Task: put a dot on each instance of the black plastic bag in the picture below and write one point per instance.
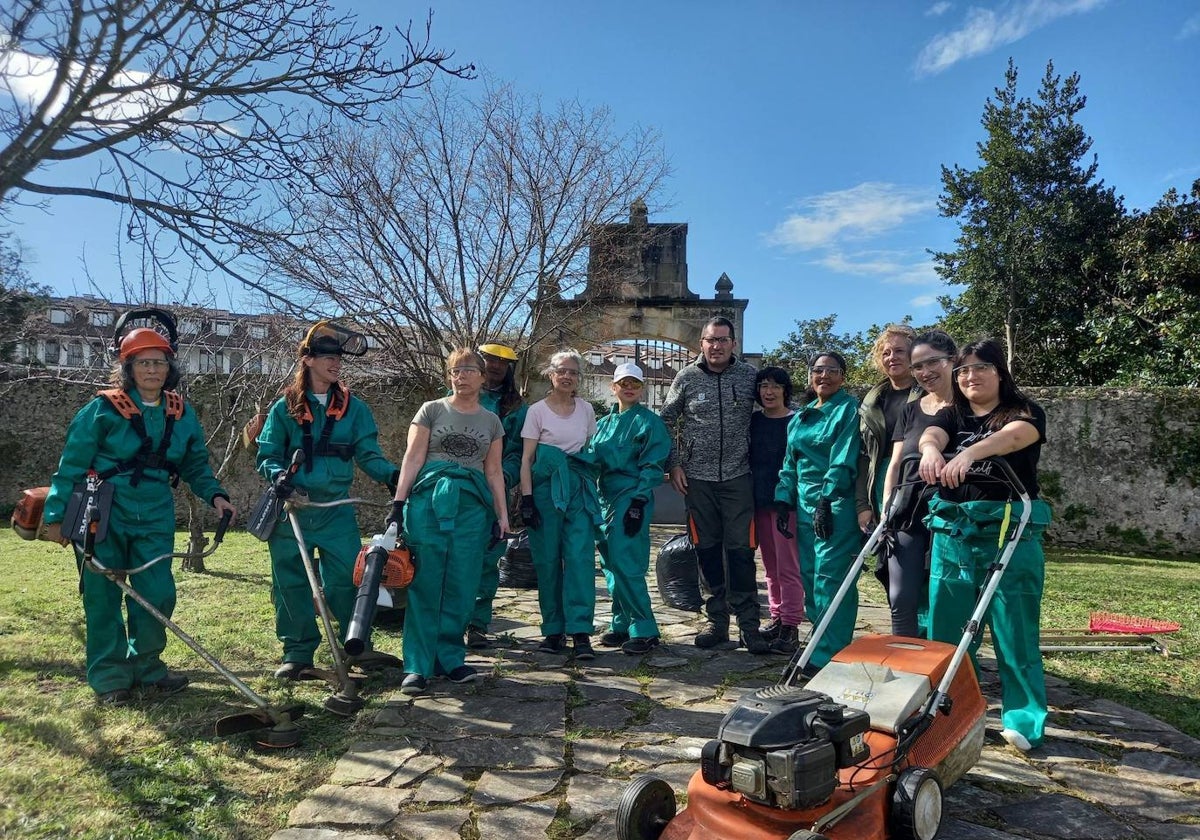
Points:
(678, 573)
(516, 566)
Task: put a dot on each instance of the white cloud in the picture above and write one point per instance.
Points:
(1191, 28)
(938, 9)
(855, 213)
(923, 301)
(1182, 173)
(986, 29)
(893, 267)
(29, 79)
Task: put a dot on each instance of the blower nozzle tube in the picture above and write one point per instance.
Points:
(359, 632)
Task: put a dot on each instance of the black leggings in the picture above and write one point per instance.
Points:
(906, 579)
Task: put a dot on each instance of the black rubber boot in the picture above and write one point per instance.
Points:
(788, 640)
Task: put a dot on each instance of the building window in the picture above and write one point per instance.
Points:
(258, 331)
(189, 326)
(236, 360)
(60, 316)
(75, 354)
(100, 318)
(223, 328)
(254, 365)
(50, 354)
(207, 362)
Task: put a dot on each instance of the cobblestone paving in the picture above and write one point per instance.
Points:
(542, 747)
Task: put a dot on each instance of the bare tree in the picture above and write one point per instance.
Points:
(453, 223)
(198, 112)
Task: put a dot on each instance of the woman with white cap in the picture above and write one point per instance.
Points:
(630, 448)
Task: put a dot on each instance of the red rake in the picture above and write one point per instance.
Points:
(1107, 622)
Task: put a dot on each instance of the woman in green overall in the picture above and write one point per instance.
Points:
(630, 449)
(125, 651)
(560, 506)
(501, 397)
(451, 500)
(990, 418)
(817, 481)
(335, 430)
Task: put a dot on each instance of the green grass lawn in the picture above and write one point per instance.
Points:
(154, 769)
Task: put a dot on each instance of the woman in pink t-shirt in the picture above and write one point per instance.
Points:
(561, 508)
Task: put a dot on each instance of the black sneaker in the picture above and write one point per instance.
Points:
(582, 642)
(787, 641)
(712, 635)
(554, 643)
(614, 638)
(292, 671)
(170, 684)
(754, 642)
(770, 630)
(476, 638)
(640, 645)
(413, 684)
(463, 674)
(117, 697)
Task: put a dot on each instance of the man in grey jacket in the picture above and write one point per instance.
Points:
(709, 406)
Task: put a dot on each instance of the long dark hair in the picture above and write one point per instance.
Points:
(1013, 403)
(777, 375)
(939, 341)
(510, 397)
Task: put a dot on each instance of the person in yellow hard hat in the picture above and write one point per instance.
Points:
(139, 438)
(500, 396)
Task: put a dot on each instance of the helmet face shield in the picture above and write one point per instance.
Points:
(329, 339)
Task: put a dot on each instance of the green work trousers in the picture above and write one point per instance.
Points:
(448, 533)
(333, 541)
(489, 582)
(965, 544)
(124, 647)
(823, 567)
(625, 561)
(564, 557)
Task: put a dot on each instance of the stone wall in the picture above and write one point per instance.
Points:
(1121, 467)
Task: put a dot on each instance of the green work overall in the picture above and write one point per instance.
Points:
(821, 463)
(448, 522)
(123, 652)
(630, 449)
(966, 541)
(489, 579)
(564, 545)
(331, 534)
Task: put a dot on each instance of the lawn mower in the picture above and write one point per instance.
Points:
(861, 751)
(275, 727)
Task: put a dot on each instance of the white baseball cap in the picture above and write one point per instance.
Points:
(628, 371)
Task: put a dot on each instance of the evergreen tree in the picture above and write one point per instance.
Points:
(1035, 226)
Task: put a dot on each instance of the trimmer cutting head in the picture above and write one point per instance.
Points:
(279, 731)
(343, 704)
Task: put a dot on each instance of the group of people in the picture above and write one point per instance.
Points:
(802, 480)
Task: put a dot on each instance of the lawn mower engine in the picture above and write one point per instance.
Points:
(783, 746)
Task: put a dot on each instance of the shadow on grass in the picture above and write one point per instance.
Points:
(1179, 711)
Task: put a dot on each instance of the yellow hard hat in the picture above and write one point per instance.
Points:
(499, 351)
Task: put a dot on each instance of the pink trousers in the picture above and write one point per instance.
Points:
(785, 590)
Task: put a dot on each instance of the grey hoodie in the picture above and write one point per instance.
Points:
(711, 413)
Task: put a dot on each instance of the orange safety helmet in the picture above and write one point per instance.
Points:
(143, 338)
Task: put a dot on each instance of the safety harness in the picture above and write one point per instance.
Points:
(147, 457)
(338, 405)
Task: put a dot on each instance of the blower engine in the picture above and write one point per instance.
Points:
(782, 747)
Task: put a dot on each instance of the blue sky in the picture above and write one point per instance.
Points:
(806, 138)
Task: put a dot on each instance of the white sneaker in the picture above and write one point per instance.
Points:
(1016, 739)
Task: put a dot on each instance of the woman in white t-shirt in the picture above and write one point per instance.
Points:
(561, 508)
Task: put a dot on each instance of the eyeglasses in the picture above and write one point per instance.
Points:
(978, 367)
(827, 371)
(565, 371)
(630, 383)
(151, 364)
(463, 371)
(716, 339)
(917, 367)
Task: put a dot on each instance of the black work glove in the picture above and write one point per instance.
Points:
(783, 512)
(634, 516)
(393, 481)
(396, 515)
(529, 513)
(497, 535)
(823, 520)
(282, 484)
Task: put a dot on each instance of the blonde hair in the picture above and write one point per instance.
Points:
(890, 331)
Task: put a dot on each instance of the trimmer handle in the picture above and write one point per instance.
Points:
(222, 527)
(91, 516)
